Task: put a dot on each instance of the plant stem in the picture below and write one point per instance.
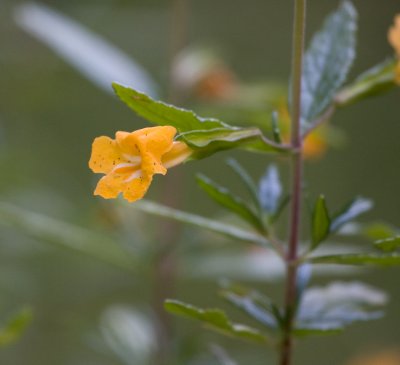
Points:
(297, 172)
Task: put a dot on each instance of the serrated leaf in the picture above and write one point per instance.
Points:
(320, 224)
(329, 309)
(204, 135)
(15, 326)
(216, 320)
(388, 244)
(328, 61)
(270, 190)
(225, 229)
(359, 259)
(350, 211)
(246, 179)
(374, 81)
(229, 201)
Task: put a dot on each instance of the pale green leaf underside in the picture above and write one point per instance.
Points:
(359, 259)
(328, 61)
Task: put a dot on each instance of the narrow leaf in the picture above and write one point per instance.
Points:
(275, 127)
(359, 259)
(246, 179)
(202, 222)
(374, 81)
(270, 190)
(15, 326)
(388, 244)
(351, 211)
(328, 61)
(95, 58)
(229, 201)
(216, 320)
(66, 235)
(320, 222)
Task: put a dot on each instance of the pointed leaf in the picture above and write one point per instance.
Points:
(15, 327)
(216, 320)
(246, 179)
(229, 201)
(328, 61)
(204, 135)
(270, 190)
(351, 211)
(320, 222)
(374, 81)
(359, 259)
(388, 244)
(199, 221)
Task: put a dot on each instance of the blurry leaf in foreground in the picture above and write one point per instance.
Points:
(321, 222)
(216, 320)
(60, 233)
(328, 61)
(15, 326)
(338, 305)
(391, 259)
(388, 244)
(129, 334)
(95, 58)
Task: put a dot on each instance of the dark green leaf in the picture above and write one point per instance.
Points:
(204, 135)
(376, 80)
(328, 61)
(270, 190)
(15, 327)
(216, 320)
(351, 211)
(198, 221)
(388, 244)
(320, 222)
(229, 201)
(246, 178)
(359, 259)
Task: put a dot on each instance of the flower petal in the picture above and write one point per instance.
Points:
(105, 155)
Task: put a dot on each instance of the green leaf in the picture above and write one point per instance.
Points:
(359, 259)
(275, 127)
(204, 135)
(350, 211)
(216, 320)
(327, 310)
(251, 303)
(320, 222)
(374, 81)
(328, 61)
(75, 238)
(229, 201)
(198, 221)
(15, 327)
(270, 190)
(379, 230)
(246, 179)
(388, 244)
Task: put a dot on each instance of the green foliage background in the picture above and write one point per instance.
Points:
(49, 116)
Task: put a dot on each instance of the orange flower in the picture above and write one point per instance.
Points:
(394, 40)
(131, 159)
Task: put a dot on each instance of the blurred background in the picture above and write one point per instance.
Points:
(89, 306)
